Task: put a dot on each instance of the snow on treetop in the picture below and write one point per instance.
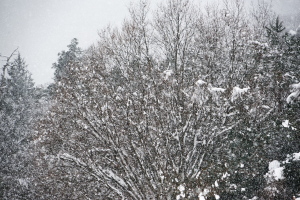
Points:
(237, 92)
(292, 32)
(274, 165)
(181, 188)
(200, 82)
(275, 171)
(296, 86)
(203, 194)
(296, 156)
(295, 94)
(215, 89)
(285, 123)
(167, 74)
(257, 43)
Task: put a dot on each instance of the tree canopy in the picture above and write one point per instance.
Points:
(181, 104)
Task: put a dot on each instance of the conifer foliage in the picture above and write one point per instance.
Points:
(16, 111)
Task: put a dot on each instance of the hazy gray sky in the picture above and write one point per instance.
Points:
(43, 28)
(287, 6)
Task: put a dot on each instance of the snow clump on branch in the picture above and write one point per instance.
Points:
(238, 92)
(295, 94)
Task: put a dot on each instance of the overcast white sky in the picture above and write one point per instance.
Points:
(43, 28)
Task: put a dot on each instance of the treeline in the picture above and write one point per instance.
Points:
(180, 104)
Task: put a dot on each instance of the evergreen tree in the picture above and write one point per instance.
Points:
(281, 66)
(62, 66)
(15, 117)
(65, 59)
